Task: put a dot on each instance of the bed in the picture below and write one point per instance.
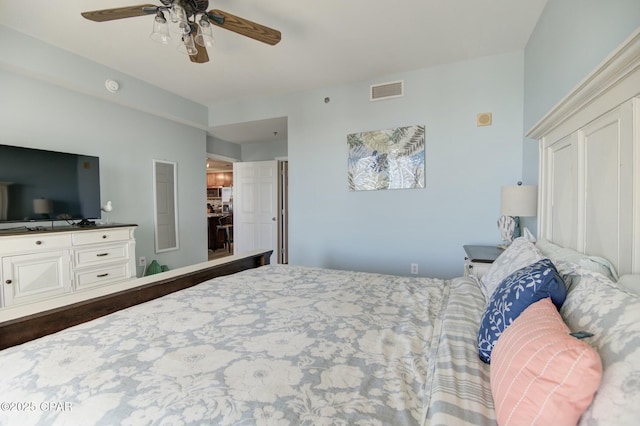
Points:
(277, 344)
(290, 345)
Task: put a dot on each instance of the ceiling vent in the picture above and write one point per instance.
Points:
(393, 89)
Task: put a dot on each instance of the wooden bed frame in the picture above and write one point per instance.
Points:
(20, 330)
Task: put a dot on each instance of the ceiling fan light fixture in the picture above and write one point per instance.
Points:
(177, 13)
(160, 17)
(160, 31)
(191, 20)
(204, 37)
(204, 21)
(187, 47)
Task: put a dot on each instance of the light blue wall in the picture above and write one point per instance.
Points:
(262, 151)
(257, 151)
(223, 148)
(570, 40)
(69, 110)
(25, 55)
(385, 231)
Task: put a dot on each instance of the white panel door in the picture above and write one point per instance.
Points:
(255, 207)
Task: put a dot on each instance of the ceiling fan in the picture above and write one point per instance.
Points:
(193, 24)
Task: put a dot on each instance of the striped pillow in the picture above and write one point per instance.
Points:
(540, 375)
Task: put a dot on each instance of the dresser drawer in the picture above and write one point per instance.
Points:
(100, 236)
(107, 253)
(29, 243)
(93, 277)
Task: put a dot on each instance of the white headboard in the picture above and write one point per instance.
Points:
(589, 175)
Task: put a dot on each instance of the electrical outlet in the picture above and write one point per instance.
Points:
(142, 261)
(414, 268)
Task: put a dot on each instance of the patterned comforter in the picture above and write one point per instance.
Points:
(277, 345)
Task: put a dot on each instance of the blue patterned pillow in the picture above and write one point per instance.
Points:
(514, 294)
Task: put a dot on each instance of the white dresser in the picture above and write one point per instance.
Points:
(41, 265)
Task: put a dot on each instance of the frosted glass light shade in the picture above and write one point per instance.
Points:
(205, 35)
(160, 32)
(187, 46)
(179, 16)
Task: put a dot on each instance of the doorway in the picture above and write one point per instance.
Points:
(256, 213)
(219, 174)
(256, 141)
(261, 207)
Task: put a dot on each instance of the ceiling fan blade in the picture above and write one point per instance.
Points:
(244, 27)
(120, 12)
(202, 56)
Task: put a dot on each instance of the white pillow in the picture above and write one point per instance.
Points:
(519, 254)
(630, 283)
(592, 263)
(612, 315)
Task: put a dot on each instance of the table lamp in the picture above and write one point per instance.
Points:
(515, 202)
(42, 207)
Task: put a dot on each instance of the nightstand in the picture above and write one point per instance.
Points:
(478, 259)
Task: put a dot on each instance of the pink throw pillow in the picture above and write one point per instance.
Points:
(541, 375)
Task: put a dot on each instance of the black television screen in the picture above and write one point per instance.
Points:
(38, 185)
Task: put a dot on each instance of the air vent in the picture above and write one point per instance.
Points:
(394, 89)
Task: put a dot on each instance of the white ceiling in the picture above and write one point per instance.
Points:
(324, 43)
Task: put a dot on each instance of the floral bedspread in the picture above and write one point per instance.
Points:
(277, 345)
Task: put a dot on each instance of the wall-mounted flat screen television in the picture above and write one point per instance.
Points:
(40, 185)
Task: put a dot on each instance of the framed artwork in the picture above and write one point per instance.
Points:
(386, 159)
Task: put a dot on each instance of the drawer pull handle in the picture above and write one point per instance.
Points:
(38, 242)
(104, 236)
(102, 254)
(8, 281)
(102, 275)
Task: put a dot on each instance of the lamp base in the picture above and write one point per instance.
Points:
(509, 227)
(517, 232)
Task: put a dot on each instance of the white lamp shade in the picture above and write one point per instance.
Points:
(41, 206)
(520, 200)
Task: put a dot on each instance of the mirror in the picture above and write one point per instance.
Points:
(165, 206)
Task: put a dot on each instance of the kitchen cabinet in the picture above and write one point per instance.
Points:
(219, 179)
